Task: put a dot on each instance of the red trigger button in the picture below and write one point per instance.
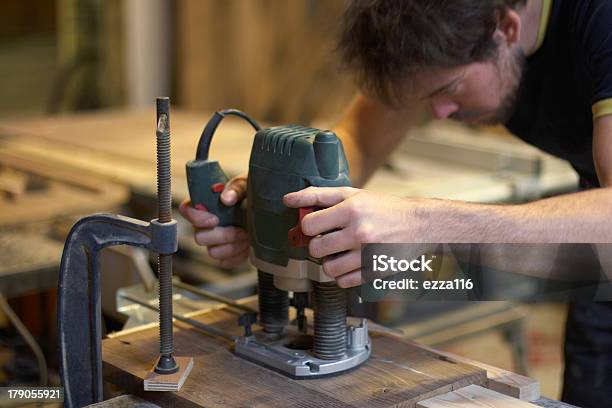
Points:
(217, 187)
(304, 211)
(295, 235)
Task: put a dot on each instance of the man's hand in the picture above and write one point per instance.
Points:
(229, 245)
(352, 217)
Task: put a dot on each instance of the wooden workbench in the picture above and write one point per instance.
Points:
(131, 401)
(119, 145)
(399, 372)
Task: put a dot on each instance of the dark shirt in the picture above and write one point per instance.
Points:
(568, 83)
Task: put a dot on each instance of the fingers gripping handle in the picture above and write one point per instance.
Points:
(205, 178)
(206, 181)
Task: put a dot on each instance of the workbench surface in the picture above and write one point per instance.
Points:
(133, 401)
(440, 160)
(397, 372)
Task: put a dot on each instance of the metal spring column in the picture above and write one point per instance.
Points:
(329, 321)
(273, 304)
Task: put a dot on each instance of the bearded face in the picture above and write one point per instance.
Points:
(479, 93)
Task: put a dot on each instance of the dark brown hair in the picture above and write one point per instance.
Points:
(384, 41)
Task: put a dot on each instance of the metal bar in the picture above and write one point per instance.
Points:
(198, 325)
(166, 363)
(213, 296)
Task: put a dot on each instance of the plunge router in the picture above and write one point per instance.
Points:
(285, 159)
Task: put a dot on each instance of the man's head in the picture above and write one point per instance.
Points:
(462, 57)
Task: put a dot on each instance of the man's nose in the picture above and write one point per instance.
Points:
(443, 109)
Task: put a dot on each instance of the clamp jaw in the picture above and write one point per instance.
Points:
(79, 312)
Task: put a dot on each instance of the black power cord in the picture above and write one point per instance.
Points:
(211, 127)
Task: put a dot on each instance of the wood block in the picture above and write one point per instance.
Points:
(512, 384)
(398, 372)
(474, 396)
(171, 382)
(498, 379)
(504, 381)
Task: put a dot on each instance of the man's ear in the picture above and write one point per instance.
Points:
(509, 27)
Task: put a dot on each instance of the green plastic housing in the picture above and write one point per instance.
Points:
(202, 175)
(285, 159)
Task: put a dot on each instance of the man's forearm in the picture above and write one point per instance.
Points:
(369, 132)
(583, 217)
(573, 218)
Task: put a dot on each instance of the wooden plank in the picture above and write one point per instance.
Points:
(398, 372)
(124, 401)
(473, 396)
(498, 379)
(511, 384)
(120, 146)
(57, 192)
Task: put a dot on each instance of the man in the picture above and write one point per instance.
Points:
(541, 67)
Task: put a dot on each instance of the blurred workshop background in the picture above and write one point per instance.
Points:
(78, 79)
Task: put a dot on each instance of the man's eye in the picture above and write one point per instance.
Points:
(453, 89)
